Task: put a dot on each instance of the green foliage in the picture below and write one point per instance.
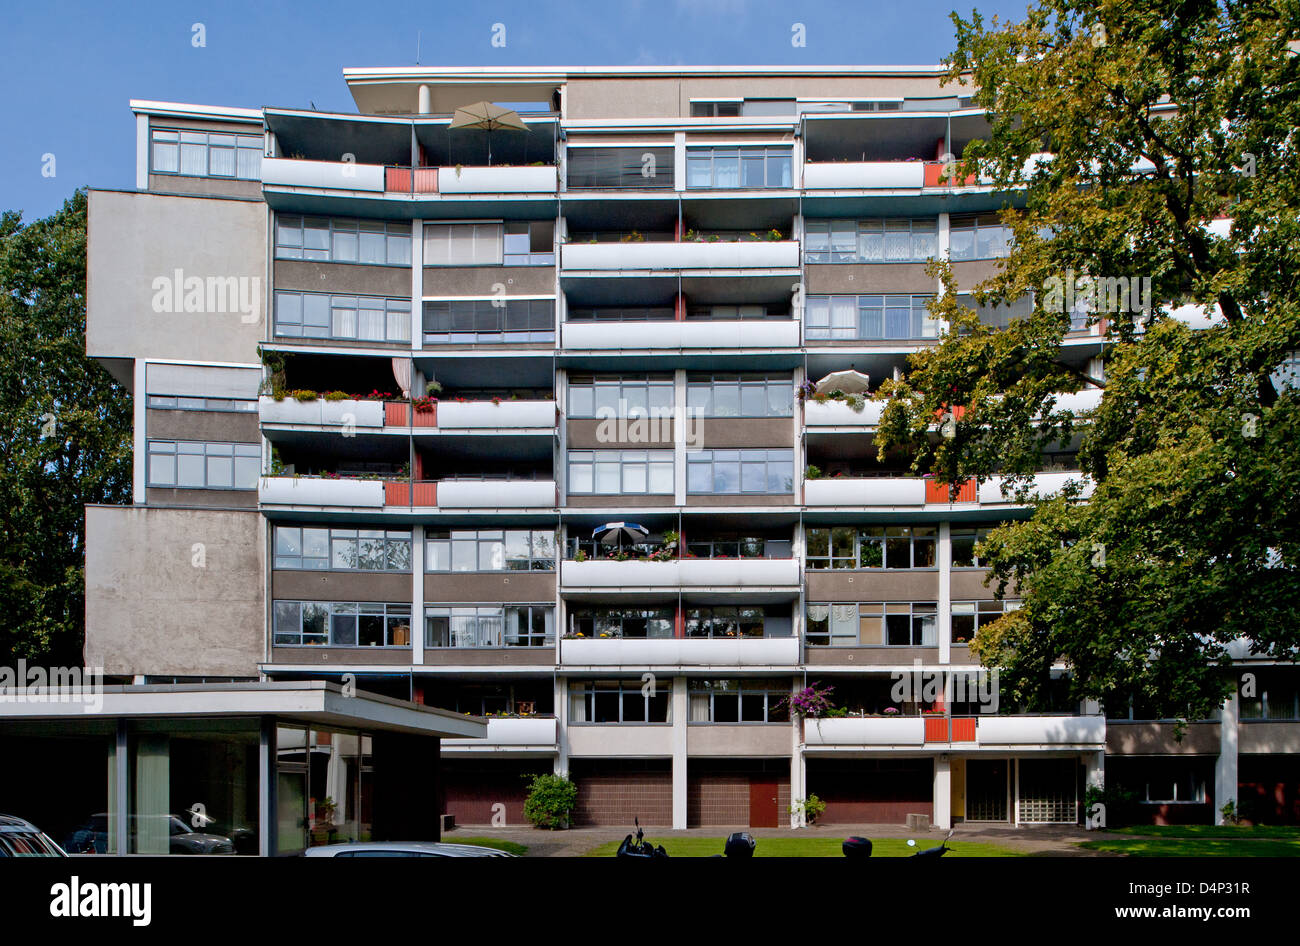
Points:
(550, 802)
(812, 472)
(811, 807)
(1191, 539)
(66, 439)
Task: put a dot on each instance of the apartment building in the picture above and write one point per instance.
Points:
(523, 422)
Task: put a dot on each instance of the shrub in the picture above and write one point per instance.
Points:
(336, 395)
(812, 808)
(303, 395)
(550, 802)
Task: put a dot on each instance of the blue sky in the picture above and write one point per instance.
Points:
(70, 69)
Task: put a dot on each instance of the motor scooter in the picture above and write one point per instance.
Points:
(640, 847)
(860, 848)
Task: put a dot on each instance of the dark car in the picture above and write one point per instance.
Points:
(92, 837)
(19, 838)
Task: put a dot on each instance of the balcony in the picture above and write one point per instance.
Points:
(701, 334)
(864, 175)
(1044, 484)
(680, 652)
(865, 731)
(839, 414)
(681, 573)
(322, 175)
(496, 494)
(470, 180)
(524, 734)
(745, 254)
(321, 413)
(865, 491)
(1087, 731)
(319, 491)
(487, 415)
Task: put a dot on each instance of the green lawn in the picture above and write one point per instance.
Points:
(1175, 846)
(1211, 831)
(809, 847)
(508, 846)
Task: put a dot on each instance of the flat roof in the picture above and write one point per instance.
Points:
(311, 701)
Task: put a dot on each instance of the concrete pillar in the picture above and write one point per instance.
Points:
(417, 595)
(417, 288)
(944, 622)
(680, 709)
(1094, 777)
(798, 773)
(942, 792)
(425, 103)
(1225, 767)
(561, 723)
(679, 161)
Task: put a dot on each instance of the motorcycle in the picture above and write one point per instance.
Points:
(640, 847)
(859, 848)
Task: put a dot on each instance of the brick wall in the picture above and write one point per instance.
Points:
(472, 787)
(613, 794)
(721, 800)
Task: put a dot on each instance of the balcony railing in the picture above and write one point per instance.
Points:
(681, 573)
(471, 494)
(324, 175)
(987, 730)
(472, 415)
(746, 254)
(538, 179)
(839, 414)
(865, 731)
(1041, 730)
(531, 732)
(321, 413)
(319, 491)
(660, 335)
(694, 652)
(882, 175)
(916, 491)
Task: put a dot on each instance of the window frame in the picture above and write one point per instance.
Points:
(627, 459)
(392, 231)
(240, 145)
(390, 614)
(489, 611)
(485, 538)
(395, 311)
(773, 460)
(250, 451)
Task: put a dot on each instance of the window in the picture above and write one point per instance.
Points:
(888, 623)
(359, 318)
(177, 403)
(739, 471)
(738, 547)
(737, 167)
(469, 321)
(999, 314)
(734, 621)
(618, 701)
(969, 616)
(622, 314)
(963, 547)
(739, 701)
(716, 109)
(493, 625)
(530, 244)
(606, 396)
(489, 550)
(871, 241)
(979, 237)
(740, 395)
(1276, 697)
(322, 549)
(621, 622)
(872, 547)
(630, 168)
(609, 472)
(199, 465)
(874, 317)
(463, 244)
(206, 154)
(343, 241)
(732, 313)
(341, 624)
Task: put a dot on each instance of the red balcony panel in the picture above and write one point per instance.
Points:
(963, 729)
(397, 180)
(425, 180)
(936, 729)
(397, 494)
(934, 171)
(395, 413)
(936, 492)
(426, 493)
(427, 418)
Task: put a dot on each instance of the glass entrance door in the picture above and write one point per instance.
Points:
(986, 789)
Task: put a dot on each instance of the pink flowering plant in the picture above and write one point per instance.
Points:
(813, 701)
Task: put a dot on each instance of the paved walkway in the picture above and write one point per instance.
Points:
(1042, 840)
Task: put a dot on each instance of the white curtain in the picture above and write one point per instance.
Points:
(402, 375)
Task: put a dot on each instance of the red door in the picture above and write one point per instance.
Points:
(762, 803)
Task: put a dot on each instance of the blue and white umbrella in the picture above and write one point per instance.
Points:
(613, 533)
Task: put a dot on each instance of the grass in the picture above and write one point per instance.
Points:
(1241, 832)
(810, 847)
(1197, 847)
(509, 847)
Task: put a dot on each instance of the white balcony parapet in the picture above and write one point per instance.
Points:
(318, 491)
(686, 652)
(496, 494)
(734, 333)
(511, 733)
(1040, 730)
(866, 731)
(498, 180)
(1088, 399)
(839, 414)
(865, 491)
(859, 175)
(745, 254)
(683, 573)
(481, 415)
(329, 175)
(320, 412)
(1045, 485)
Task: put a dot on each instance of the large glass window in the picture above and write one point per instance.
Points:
(609, 472)
(614, 396)
(202, 465)
(623, 168)
(730, 621)
(963, 547)
(359, 318)
(463, 244)
(739, 701)
(489, 550)
(172, 402)
(474, 321)
(491, 625)
(872, 547)
(969, 616)
(743, 395)
(876, 240)
(316, 548)
(739, 471)
(529, 244)
(621, 622)
(206, 154)
(871, 317)
(618, 701)
(981, 236)
(752, 167)
(872, 624)
(341, 624)
(343, 241)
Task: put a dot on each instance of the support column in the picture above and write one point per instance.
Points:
(1225, 767)
(680, 708)
(798, 772)
(561, 725)
(417, 595)
(942, 792)
(944, 622)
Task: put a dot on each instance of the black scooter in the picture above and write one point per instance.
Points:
(859, 848)
(640, 847)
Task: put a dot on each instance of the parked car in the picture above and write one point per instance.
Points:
(19, 838)
(403, 849)
(92, 837)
